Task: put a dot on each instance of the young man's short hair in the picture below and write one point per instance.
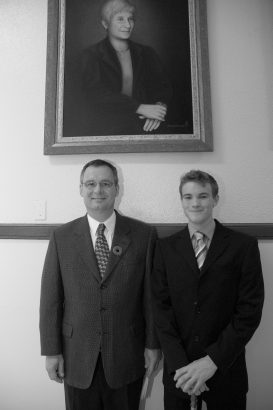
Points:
(201, 178)
(112, 7)
(100, 163)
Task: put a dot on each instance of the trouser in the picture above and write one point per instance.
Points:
(100, 396)
(228, 402)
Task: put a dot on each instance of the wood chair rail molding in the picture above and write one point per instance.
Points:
(43, 231)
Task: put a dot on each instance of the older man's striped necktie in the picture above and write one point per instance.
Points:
(200, 248)
(101, 250)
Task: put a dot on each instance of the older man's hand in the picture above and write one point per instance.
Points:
(152, 359)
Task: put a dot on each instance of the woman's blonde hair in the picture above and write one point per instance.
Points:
(112, 7)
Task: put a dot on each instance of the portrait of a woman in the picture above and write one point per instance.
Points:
(125, 70)
(125, 84)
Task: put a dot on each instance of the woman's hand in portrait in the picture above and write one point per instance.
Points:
(151, 125)
(152, 111)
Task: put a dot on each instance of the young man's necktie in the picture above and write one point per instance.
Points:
(200, 248)
(101, 250)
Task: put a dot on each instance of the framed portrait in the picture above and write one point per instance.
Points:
(127, 76)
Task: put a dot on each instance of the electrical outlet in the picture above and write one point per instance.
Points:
(39, 210)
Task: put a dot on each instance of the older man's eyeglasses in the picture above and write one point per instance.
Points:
(90, 185)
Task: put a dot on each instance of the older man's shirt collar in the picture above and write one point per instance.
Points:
(110, 224)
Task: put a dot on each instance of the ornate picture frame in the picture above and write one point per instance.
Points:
(178, 36)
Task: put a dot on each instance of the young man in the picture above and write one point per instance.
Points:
(208, 298)
(95, 315)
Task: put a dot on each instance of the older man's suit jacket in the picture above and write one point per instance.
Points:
(212, 312)
(82, 315)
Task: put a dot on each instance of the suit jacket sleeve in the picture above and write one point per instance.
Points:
(158, 86)
(51, 303)
(151, 341)
(170, 340)
(247, 312)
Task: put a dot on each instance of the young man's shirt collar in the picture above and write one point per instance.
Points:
(208, 230)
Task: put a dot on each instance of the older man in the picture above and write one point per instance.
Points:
(95, 317)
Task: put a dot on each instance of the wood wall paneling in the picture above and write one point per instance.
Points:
(43, 231)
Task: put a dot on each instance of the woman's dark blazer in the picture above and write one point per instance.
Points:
(102, 83)
(212, 312)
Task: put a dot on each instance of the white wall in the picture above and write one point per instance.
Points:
(241, 61)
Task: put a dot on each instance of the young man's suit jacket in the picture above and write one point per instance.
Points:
(212, 312)
(82, 315)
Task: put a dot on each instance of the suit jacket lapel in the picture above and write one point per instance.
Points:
(109, 56)
(121, 241)
(218, 245)
(84, 246)
(137, 60)
(185, 249)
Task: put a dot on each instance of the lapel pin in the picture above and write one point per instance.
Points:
(117, 250)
